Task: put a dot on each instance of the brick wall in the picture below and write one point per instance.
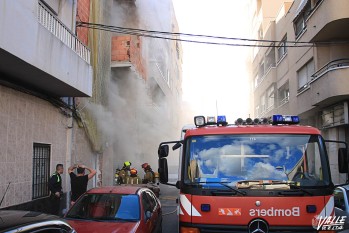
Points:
(129, 49)
(83, 14)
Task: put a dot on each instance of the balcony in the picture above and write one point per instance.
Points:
(328, 21)
(329, 84)
(38, 52)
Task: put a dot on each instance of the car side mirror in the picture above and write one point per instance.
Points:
(163, 151)
(148, 215)
(163, 170)
(343, 160)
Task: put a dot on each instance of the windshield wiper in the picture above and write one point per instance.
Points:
(233, 190)
(298, 188)
(291, 184)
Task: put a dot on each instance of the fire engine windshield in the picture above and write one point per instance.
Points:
(249, 160)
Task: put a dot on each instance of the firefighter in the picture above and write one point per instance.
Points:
(116, 178)
(124, 172)
(149, 174)
(133, 178)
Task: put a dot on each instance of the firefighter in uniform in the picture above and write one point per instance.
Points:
(133, 178)
(124, 172)
(116, 178)
(149, 174)
(56, 191)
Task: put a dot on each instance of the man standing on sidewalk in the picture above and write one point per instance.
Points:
(79, 181)
(55, 187)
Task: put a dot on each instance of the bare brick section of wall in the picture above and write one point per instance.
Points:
(129, 49)
(83, 14)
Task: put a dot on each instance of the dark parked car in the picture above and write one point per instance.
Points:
(117, 209)
(26, 221)
(341, 203)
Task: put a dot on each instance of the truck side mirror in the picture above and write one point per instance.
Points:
(343, 160)
(163, 170)
(163, 151)
(176, 146)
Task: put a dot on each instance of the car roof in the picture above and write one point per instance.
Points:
(13, 219)
(120, 189)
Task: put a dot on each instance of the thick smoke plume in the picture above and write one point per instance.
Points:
(131, 124)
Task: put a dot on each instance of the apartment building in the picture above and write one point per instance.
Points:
(304, 71)
(70, 94)
(43, 68)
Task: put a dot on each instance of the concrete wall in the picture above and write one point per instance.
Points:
(24, 120)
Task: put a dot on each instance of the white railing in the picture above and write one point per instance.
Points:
(57, 28)
(284, 100)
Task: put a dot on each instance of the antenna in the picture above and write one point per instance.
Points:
(217, 107)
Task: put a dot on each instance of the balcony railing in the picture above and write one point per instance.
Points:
(332, 65)
(284, 100)
(57, 28)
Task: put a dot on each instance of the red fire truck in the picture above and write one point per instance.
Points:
(255, 176)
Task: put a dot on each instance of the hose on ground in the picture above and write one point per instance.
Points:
(172, 212)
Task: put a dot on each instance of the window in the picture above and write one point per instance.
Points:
(263, 104)
(271, 97)
(284, 94)
(258, 111)
(53, 5)
(304, 75)
(106, 206)
(339, 200)
(282, 49)
(41, 170)
(261, 71)
(301, 17)
(256, 81)
(260, 33)
(270, 59)
(152, 201)
(254, 158)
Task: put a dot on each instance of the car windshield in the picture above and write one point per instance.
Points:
(118, 207)
(256, 161)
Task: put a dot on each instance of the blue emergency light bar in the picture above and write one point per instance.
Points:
(211, 120)
(282, 119)
(221, 119)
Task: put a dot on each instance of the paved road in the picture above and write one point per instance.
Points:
(168, 196)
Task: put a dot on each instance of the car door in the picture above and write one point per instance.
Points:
(341, 204)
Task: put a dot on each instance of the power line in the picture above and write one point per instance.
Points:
(176, 36)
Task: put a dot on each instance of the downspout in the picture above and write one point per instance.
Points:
(75, 10)
(69, 154)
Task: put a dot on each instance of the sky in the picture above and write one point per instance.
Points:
(215, 77)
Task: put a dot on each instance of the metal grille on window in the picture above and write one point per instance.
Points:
(41, 170)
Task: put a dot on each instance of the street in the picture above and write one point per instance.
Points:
(168, 196)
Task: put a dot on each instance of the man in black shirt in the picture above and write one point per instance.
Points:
(55, 187)
(79, 181)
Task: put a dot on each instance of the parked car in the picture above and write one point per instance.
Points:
(117, 209)
(341, 203)
(27, 221)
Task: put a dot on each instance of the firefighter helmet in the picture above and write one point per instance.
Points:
(145, 165)
(127, 163)
(133, 171)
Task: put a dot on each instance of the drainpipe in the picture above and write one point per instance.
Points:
(75, 9)
(69, 154)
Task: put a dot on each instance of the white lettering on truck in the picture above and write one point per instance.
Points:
(272, 212)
